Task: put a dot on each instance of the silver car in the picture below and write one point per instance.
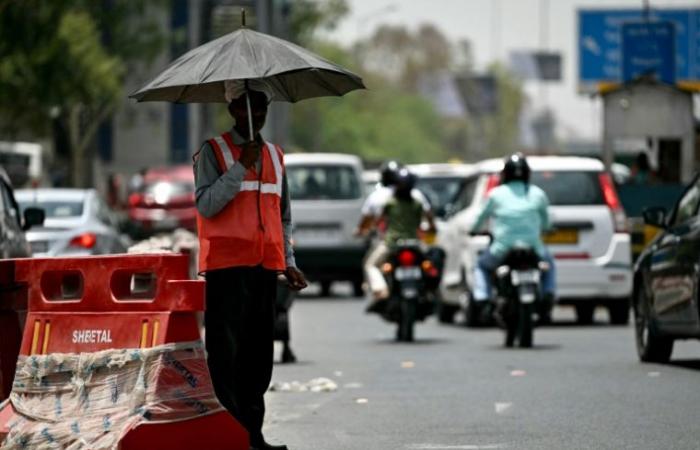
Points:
(77, 223)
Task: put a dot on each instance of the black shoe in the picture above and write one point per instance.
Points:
(288, 356)
(498, 311)
(265, 446)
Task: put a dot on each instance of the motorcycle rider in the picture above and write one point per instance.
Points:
(402, 215)
(371, 218)
(373, 207)
(519, 213)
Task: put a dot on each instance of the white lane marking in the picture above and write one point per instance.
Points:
(354, 385)
(361, 401)
(654, 374)
(502, 408)
(408, 365)
(455, 447)
(518, 373)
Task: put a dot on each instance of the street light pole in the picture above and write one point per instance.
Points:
(544, 37)
(647, 9)
(495, 29)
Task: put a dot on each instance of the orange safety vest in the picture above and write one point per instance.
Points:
(248, 231)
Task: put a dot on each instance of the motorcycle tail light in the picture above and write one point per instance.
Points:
(135, 199)
(86, 240)
(429, 269)
(407, 258)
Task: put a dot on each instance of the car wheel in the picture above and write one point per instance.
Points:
(357, 290)
(325, 288)
(473, 313)
(584, 313)
(619, 313)
(446, 313)
(650, 346)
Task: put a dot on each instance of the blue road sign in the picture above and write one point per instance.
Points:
(600, 44)
(648, 48)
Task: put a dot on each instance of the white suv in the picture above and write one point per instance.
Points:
(589, 238)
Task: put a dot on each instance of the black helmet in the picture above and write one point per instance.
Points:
(515, 168)
(388, 171)
(405, 180)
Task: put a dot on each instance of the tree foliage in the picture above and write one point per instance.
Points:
(502, 129)
(391, 119)
(307, 17)
(62, 67)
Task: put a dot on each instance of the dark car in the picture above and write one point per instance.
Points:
(13, 243)
(667, 279)
(163, 201)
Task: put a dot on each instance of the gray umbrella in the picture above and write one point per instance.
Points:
(292, 72)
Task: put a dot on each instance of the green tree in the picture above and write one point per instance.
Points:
(383, 122)
(502, 128)
(307, 17)
(402, 56)
(62, 65)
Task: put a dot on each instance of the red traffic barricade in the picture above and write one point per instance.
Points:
(111, 355)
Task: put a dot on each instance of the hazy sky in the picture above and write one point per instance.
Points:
(495, 28)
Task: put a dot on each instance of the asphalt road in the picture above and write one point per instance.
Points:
(457, 388)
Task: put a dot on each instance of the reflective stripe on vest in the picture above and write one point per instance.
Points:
(267, 188)
(236, 236)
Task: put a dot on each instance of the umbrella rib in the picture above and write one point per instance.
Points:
(252, 49)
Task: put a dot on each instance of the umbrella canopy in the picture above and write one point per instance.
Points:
(292, 72)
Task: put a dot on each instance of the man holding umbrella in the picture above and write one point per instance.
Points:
(244, 215)
(244, 224)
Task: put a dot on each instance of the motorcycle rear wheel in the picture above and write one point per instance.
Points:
(525, 325)
(406, 320)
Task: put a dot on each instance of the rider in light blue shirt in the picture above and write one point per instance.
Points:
(519, 215)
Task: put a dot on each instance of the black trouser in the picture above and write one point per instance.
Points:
(239, 321)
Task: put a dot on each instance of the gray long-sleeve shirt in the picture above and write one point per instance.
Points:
(214, 190)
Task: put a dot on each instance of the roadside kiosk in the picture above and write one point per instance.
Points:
(656, 119)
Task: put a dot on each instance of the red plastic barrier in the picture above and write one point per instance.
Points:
(95, 303)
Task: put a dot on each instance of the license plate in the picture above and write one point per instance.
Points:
(166, 223)
(561, 237)
(39, 246)
(408, 273)
(409, 293)
(527, 297)
(518, 277)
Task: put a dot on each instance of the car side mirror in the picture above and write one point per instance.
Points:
(655, 216)
(33, 217)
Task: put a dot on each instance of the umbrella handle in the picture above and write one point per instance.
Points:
(250, 116)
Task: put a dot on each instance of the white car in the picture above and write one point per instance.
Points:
(440, 183)
(327, 193)
(589, 239)
(77, 223)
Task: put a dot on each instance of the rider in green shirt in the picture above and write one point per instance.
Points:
(402, 217)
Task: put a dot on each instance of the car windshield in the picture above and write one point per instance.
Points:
(323, 182)
(56, 209)
(570, 187)
(440, 191)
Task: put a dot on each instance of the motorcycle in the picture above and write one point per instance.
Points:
(413, 276)
(519, 295)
